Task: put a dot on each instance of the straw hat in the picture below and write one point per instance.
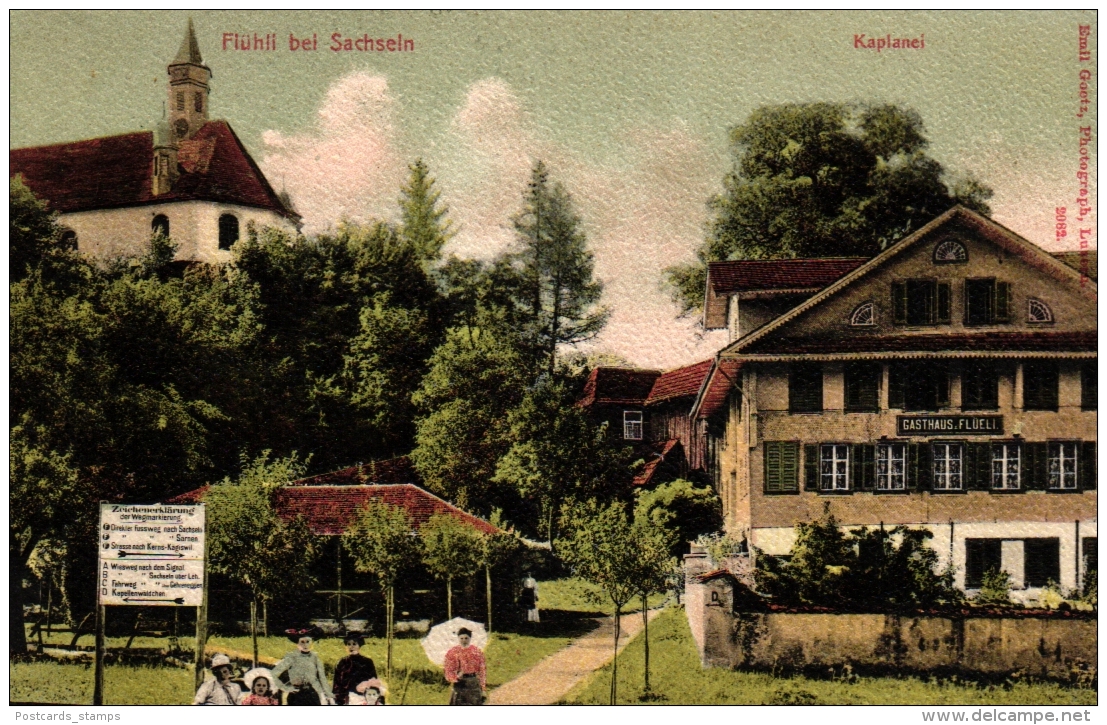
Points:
(219, 660)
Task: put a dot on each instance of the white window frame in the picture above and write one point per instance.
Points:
(1059, 478)
(943, 478)
(632, 428)
(1006, 467)
(887, 455)
(834, 466)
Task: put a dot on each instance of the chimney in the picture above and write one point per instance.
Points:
(166, 172)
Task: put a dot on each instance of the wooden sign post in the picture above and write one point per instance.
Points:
(150, 556)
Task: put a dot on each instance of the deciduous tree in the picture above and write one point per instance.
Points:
(450, 549)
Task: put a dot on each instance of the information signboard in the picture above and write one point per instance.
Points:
(151, 555)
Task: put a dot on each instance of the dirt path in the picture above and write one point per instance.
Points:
(549, 680)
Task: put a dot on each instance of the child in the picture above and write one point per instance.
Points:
(371, 691)
(257, 682)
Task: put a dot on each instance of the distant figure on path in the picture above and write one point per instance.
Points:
(465, 670)
(352, 670)
(528, 600)
(307, 681)
(219, 691)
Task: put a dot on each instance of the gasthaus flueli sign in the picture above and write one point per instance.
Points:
(151, 555)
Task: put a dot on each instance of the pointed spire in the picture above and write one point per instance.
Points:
(190, 49)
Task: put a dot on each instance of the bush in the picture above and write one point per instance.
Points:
(995, 588)
(683, 508)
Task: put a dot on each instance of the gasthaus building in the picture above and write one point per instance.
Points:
(948, 383)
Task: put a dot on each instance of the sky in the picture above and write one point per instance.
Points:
(629, 110)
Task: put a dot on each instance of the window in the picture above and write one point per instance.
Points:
(1041, 561)
(1061, 466)
(228, 230)
(1089, 386)
(981, 556)
(950, 251)
(920, 302)
(781, 467)
(805, 389)
(979, 385)
(199, 102)
(948, 469)
(891, 467)
(160, 225)
(69, 240)
(632, 425)
(918, 385)
(834, 467)
(863, 316)
(1005, 466)
(1038, 311)
(863, 386)
(1090, 549)
(1039, 386)
(987, 302)
(180, 101)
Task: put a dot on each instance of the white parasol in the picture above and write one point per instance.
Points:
(444, 636)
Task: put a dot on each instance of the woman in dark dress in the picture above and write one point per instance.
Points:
(351, 671)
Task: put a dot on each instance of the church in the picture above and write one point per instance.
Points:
(191, 180)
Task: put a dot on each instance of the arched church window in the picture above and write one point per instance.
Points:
(199, 103)
(1038, 311)
(69, 240)
(160, 225)
(228, 230)
(951, 251)
(863, 315)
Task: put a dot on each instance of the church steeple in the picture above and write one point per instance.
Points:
(188, 88)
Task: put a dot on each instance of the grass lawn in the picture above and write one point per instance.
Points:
(509, 653)
(578, 595)
(675, 673)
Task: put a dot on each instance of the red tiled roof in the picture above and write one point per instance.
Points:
(779, 274)
(117, 171)
(954, 342)
(685, 381)
(723, 379)
(393, 470)
(618, 386)
(329, 509)
(656, 456)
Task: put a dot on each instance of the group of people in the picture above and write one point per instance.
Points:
(355, 678)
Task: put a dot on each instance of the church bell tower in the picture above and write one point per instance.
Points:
(188, 89)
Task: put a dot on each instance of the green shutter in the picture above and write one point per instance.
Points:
(899, 303)
(789, 467)
(943, 303)
(811, 467)
(772, 467)
(1002, 302)
(911, 475)
(1087, 465)
(1035, 466)
(868, 466)
(982, 468)
(925, 467)
(897, 385)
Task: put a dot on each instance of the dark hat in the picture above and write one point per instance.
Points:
(356, 637)
(464, 630)
(294, 634)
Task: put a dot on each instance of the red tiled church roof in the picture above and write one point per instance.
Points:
(954, 342)
(679, 383)
(779, 274)
(618, 386)
(330, 509)
(117, 171)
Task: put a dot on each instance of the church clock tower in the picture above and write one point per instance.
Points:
(188, 89)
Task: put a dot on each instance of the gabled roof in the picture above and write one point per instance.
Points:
(330, 509)
(996, 233)
(769, 277)
(679, 383)
(618, 386)
(722, 380)
(660, 453)
(117, 171)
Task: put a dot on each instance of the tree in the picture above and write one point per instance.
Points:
(656, 567)
(823, 180)
(495, 548)
(248, 540)
(382, 541)
(600, 546)
(687, 510)
(425, 225)
(450, 549)
(557, 288)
